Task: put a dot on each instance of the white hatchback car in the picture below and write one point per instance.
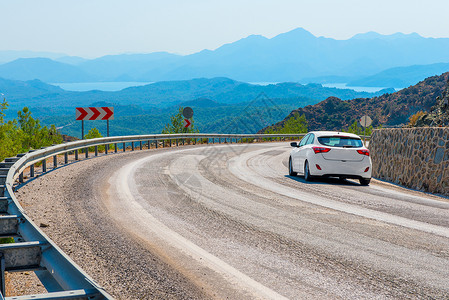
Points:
(330, 154)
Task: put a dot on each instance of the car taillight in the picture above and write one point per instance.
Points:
(363, 152)
(321, 149)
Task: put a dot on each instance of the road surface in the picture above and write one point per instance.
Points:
(227, 222)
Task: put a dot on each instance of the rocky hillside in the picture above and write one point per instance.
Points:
(388, 109)
(439, 114)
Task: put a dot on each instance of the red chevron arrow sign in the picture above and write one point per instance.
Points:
(187, 123)
(94, 113)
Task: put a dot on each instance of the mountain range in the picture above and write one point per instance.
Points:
(221, 104)
(296, 56)
(390, 109)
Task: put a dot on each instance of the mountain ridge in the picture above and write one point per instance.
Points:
(388, 109)
(289, 56)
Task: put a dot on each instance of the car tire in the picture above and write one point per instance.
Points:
(290, 168)
(307, 176)
(364, 181)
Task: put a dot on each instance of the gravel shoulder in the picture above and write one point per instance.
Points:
(69, 201)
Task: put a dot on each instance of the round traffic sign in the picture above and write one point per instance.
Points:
(365, 121)
(187, 112)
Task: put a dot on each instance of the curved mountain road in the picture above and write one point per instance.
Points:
(226, 221)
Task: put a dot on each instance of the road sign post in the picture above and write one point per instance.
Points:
(187, 112)
(94, 113)
(365, 121)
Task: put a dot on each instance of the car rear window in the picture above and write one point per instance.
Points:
(340, 141)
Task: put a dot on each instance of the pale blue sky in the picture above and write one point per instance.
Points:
(92, 28)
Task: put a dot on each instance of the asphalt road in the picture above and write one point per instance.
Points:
(227, 222)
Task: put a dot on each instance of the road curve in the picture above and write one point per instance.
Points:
(226, 221)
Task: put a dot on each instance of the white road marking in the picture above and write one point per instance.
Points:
(238, 166)
(145, 222)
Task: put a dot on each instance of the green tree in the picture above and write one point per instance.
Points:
(295, 124)
(33, 135)
(359, 130)
(93, 134)
(10, 141)
(176, 124)
(23, 134)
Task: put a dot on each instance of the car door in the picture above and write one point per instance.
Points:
(296, 153)
(302, 152)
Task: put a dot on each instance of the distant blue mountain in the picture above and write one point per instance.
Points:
(401, 77)
(44, 69)
(10, 55)
(296, 56)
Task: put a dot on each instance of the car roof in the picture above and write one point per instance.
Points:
(334, 133)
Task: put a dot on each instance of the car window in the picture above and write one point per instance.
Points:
(310, 139)
(340, 141)
(304, 140)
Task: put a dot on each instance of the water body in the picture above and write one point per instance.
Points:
(101, 86)
(368, 89)
(117, 86)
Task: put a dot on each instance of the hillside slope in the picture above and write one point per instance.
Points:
(388, 109)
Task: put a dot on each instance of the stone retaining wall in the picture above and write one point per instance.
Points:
(414, 157)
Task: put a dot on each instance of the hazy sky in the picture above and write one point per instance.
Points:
(92, 28)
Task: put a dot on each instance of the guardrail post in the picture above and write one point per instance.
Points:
(115, 147)
(32, 170)
(106, 148)
(55, 162)
(140, 145)
(149, 145)
(170, 142)
(132, 146)
(96, 150)
(183, 141)
(86, 151)
(76, 154)
(177, 143)
(21, 177)
(44, 166)
(124, 147)
(156, 142)
(66, 157)
(2, 275)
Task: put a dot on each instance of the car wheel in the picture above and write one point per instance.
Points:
(364, 181)
(290, 168)
(307, 175)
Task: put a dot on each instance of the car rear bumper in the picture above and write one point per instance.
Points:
(348, 169)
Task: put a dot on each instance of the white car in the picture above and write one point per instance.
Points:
(330, 154)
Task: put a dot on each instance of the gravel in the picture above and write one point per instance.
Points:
(68, 200)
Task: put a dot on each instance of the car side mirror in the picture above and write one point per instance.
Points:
(294, 144)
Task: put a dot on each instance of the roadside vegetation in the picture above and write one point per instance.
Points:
(176, 124)
(24, 133)
(359, 130)
(93, 134)
(295, 124)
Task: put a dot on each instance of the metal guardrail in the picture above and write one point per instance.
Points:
(33, 250)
